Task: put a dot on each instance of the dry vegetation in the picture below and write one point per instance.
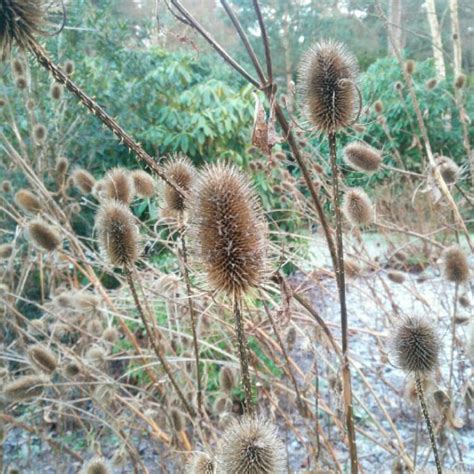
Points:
(215, 358)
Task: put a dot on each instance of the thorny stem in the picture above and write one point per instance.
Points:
(424, 409)
(156, 347)
(243, 356)
(340, 276)
(192, 315)
(99, 112)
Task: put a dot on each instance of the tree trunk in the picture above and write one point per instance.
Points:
(456, 36)
(436, 39)
(395, 25)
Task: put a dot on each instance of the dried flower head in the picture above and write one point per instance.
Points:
(180, 170)
(83, 180)
(448, 168)
(416, 344)
(111, 335)
(43, 358)
(201, 463)
(40, 133)
(56, 91)
(357, 207)
(18, 67)
(326, 81)
(362, 157)
(27, 201)
(96, 355)
(229, 230)
(6, 186)
(69, 67)
(97, 465)
(460, 81)
(144, 184)
(44, 235)
(396, 276)
(62, 165)
(72, 369)
(119, 185)
(398, 86)
(21, 83)
(118, 233)
(250, 445)
(410, 66)
(430, 84)
(6, 251)
(455, 265)
(24, 388)
(226, 379)
(378, 106)
(86, 302)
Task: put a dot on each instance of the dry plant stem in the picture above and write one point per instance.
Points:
(453, 341)
(340, 276)
(158, 351)
(98, 111)
(243, 356)
(192, 315)
(429, 426)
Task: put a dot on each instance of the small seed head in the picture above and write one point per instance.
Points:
(43, 358)
(62, 165)
(410, 66)
(455, 265)
(201, 463)
(26, 387)
(69, 67)
(6, 186)
(460, 81)
(396, 276)
(56, 91)
(378, 106)
(144, 184)
(40, 133)
(27, 201)
(431, 84)
(6, 251)
(43, 235)
(226, 379)
(119, 185)
(357, 207)
(21, 83)
(83, 180)
(362, 157)
(181, 171)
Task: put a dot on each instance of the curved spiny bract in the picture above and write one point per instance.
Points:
(229, 230)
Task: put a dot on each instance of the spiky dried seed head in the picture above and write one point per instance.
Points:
(83, 180)
(357, 207)
(25, 199)
(119, 185)
(96, 355)
(43, 358)
(416, 344)
(17, 67)
(326, 83)
(69, 67)
(201, 463)
(30, 104)
(410, 66)
(97, 465)
(6, 186)
(251, 445)
(181, 171)
(430, 84)
(178, 422)
(460, 81)
(448, 168)
(21, 83)
(43, 235)
(111, 335)
(396, 276)
(464, 301)
(40, 133)
(72, 369)
(94, 327)
(362, 157)
(20, 21)
(25, 388)
(455, 265)
(226, 379)
(56, 91)
(144, 184)
(378, 106)
(62, 165)
(118, 234)
(86, 302)
(229, 230)
(6, 251)
(398, 86)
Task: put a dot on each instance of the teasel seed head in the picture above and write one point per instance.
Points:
(56, 91)
(410, 66)
(430, 84)
(86, 302)
(177, 420)
(396, 276)
(18, 67)
(30, 104)
(118, 234)
(6, 186)
(69, 67)
(181, 171)
(21, 83)
(398, 86)
(378, 106)
(111, 335)
(27, 201)
(96, 355)
(455, 265)
(201, 463)
(144, 184)
(460, 81)
(43, 235)
(62, 165)
(83, 180)
(226, 379)
(362, 157)
(72, 369)
(251, 445)
(119, 185)
(40, 133)
(43, 358)
(352, 267)
(25, 387)
(97, 465)
(94, 327)
(464, 301)
(448, 168)
(416, 345)
(229, 230)
(326, 82)
(6, 251)
(357, 207)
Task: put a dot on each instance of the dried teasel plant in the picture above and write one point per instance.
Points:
(201, 463)
(119, 186)
(362, 157)
(83, 180)
(97, 465)
(455, 265)
(43, 235)
(143, 183)
(25, 387)
(26, 200)
(357, 207)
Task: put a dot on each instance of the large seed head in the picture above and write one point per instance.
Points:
(326, 82)
(118, 235)
(83, 180)
(43, 358)
(250, 445)
(181, 171)
(229, 230)
(362, 157)
(143, 183)
(119, 185)
(43, 235)
(416, 345)
(455, 265)
(24, 388)
(357, 207)
(27, 201)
